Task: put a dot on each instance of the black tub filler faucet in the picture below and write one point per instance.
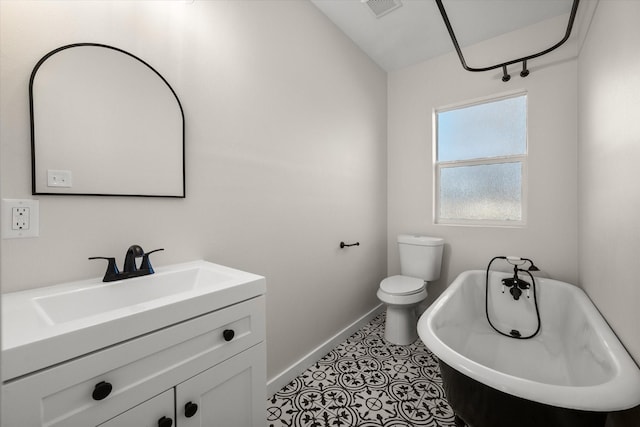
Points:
(515, 284)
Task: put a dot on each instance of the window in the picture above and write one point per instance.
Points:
(480, 162)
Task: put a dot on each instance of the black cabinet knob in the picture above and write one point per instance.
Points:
(228, 334)
(101, 390)
(165, 422)
(190, 409)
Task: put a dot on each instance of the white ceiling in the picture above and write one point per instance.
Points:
(416, 32)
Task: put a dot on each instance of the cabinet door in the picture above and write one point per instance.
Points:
(232, 393)
(156, 412)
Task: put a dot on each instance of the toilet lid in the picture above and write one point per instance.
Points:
(402, 285)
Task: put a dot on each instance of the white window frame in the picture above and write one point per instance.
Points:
(519, 158)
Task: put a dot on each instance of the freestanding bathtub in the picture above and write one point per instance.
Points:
(572, 373)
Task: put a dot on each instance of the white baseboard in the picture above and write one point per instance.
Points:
(285, 377)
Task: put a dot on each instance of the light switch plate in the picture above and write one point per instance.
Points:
(59, 178)
(20, 218)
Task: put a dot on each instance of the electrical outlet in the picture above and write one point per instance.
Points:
(20, 218)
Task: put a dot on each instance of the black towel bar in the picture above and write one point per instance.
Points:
(344, 245)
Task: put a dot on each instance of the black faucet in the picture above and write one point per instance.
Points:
(515, 284)
(130, 267)
(134, 251)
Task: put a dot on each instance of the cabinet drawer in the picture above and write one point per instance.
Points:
(136, 370)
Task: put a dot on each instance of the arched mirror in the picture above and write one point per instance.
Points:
(104, 122)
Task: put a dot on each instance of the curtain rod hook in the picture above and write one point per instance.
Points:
(524, 72)
(505, 77)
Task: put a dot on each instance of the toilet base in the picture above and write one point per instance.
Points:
(401, 324)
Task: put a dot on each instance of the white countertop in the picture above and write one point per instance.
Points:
(34, 338)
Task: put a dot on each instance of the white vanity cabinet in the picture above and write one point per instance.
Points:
(215, 361)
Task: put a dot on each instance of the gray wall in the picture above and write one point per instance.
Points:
(285, 151)
(550, 235)
(609, 150)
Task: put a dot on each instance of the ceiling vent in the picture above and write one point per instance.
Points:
(382, 7)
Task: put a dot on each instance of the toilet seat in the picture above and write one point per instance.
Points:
(402, 285)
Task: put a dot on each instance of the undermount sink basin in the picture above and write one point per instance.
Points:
(96, 299)
(49, 325)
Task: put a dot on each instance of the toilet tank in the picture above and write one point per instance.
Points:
(420, 256)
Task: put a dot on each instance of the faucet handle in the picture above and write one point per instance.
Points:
(146, 264)
(112, 269)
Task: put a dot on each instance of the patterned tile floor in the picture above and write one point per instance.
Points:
(365, 382)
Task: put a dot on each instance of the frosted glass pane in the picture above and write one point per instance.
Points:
(491, 129)
(483, 192)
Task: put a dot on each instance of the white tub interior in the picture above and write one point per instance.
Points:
(574, 361)
(565, 352)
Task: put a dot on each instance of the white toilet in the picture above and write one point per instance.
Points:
(420, 261)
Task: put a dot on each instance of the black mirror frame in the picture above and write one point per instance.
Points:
(32, 124)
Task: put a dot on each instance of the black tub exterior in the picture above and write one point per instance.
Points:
(479, 405)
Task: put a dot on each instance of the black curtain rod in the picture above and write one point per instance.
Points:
(503, 65)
